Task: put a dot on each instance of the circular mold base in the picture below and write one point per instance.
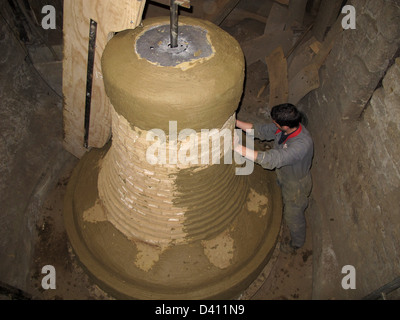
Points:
(219, 268)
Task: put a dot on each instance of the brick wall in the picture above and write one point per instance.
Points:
(355, 120)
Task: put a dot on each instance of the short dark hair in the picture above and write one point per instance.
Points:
(286, 115)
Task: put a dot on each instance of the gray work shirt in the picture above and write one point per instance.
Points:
(292, 159)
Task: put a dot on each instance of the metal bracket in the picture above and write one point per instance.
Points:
(174, 23)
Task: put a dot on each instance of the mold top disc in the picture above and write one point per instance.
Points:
(199, 84)
(154, 45)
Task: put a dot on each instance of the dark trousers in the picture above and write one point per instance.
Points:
(295, 194)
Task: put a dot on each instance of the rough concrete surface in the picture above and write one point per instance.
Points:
(30, 150)
(356, 217)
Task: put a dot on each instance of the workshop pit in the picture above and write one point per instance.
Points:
(344, 80)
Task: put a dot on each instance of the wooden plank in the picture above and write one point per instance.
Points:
(257, 49)
(223, 10)
(328, 44)
(183, 3)
(299, 41)
(264, 8)
(297, 10)
(307, 79)
(306, 56)
(316, 46)
(111, 16)
(277, 19)
(328, 11)
(278, 79)
(237, 15)
(304, 82)
(302, 57)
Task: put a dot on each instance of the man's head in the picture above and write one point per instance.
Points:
(286, 115)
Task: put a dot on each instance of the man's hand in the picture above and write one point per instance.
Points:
(244, 125)
(243, 151)
(237, 147)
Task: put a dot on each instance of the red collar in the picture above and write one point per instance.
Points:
(293, 134)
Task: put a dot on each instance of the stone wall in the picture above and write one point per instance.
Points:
(31, 152)
(355, 120)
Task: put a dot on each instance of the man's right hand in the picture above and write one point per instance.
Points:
(244, 125)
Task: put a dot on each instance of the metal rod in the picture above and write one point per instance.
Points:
(383, 291)
(89, 79)
(174, 24)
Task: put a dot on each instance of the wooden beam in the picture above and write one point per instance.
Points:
(257, 49)
(297, 10)
(327, 14)
(301, 58)
(315, 7)
(327, 45)
(299, 41)
(278, 77)
(182, 3)
(111, 16)
(277, 18)
(237, 15)
(225, 7)
(316, 46)
(303, 82)
(307, 79)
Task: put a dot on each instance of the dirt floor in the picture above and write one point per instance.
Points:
(286, 277)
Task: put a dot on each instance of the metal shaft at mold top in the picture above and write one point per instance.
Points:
(174, 24)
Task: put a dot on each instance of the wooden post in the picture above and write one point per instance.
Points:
(303, 83)
(297, 10)
(111, 16)
(327, 15)
(277, 19)
(222, 10)
(315, 7)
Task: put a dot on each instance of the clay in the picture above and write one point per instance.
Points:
(163, 204)
(203, 96)
(220, 250)
(257, 203)
(173, 230)
(95, 213)
(189, 271)
(167, 204)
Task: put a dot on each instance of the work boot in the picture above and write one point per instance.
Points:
(287, 247)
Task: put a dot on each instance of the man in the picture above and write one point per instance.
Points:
(291, 157)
